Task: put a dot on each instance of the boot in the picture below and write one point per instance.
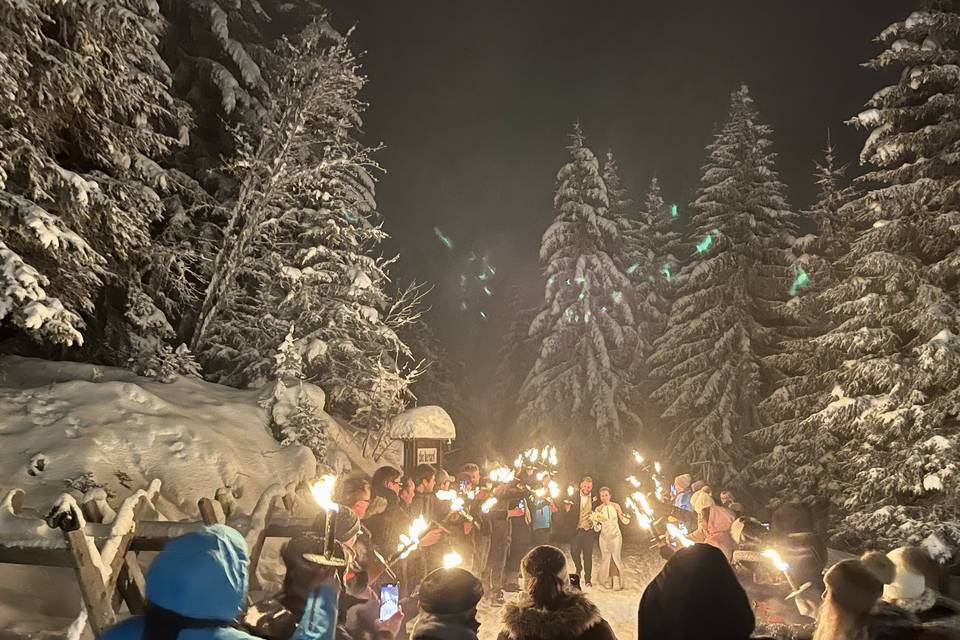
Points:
(618, 583)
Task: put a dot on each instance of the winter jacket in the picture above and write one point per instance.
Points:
(715, 523)
(577, 619)
(195, 589)
(932, 609)
(441, 627)
(683, 500)
(696, 596)
(385, 527)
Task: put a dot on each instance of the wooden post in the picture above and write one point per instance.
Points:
(92, 588)
(131, 586)
(211, 511)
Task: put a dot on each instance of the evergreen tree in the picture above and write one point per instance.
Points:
(85, 116)
(585, 330)
(725, 320)
(662, 220)
(306, 427)
(784, 436)
(889, 394)
(304, 231)
(516, 357)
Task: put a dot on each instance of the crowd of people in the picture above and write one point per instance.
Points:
(196, 587)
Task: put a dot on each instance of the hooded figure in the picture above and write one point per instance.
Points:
(550, 610)
(695, 596)
(682, 491)
(195, 590)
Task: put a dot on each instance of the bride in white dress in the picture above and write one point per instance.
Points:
(608, 517)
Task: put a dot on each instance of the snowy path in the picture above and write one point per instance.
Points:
(619, 608)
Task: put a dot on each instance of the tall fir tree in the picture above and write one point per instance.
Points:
(785, 439)
(578, 391)
(725, 320)
(515, 358)
(86, 117)
(305, 233)
(663, 222)
(889, 399)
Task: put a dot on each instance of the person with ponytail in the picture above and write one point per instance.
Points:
(851, 608)
(550, 609)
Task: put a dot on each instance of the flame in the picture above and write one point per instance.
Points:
(645, 505)
(488, 504)
(777, 560)
(554, 489)
(638, 457)
(642, 518)
(656, 467)
(472, 494)
(533, 455)
(322, 491)
(633, 480)
(545, 453)
(518, 462)
(553, 456)
(541, 475)
(410, 541)
(451, 560)
(675, 532)
(540, 493)
(446, 494)
(502, 475)
(571, 490)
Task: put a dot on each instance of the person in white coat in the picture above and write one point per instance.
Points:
(608, 517)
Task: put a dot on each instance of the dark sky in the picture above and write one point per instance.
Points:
(474, 99)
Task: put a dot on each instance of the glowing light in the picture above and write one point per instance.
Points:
(603, 309)
(518, 462)
(645, 505)
(322, 492)
(633, 268)
(777, 560)
(541, 475)
(445, 239)
(410, 541)
(554, 489)
(502, 474)
(483, 314)
(487, 291)
(540, 493)
(451, 560)
(674, 210)
(583, 294)
(533, 455)
(801, 280)
(633, 481)
(675, 532)
(488, 504)
(571, 490)
(472, 494)
(568, 282)
(665, 270)
(446, 494)
(553, 456)
(704, 245)
(638, 457)
(463, 306)
(656, 467)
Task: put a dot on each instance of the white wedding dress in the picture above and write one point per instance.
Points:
(611, 541)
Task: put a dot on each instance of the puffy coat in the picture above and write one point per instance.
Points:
(195, 589)
(577, 619)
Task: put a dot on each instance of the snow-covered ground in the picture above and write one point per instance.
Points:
(619, 608)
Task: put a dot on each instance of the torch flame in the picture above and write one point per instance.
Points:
(656, 467)
(571, 490)
(777, 560)
(675, 532)
(322, 491)
(410, 541)
(554, 489)
(502, 474)
(451, 560)
(638, 457)
(446, 494)
(518, 462)
(633, 480)
(645, 505)
(553, 456)
(540, 493)
(488, 504)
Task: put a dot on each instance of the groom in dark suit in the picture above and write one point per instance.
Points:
(583, 538)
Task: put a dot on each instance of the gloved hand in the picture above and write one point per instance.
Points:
(319, 620)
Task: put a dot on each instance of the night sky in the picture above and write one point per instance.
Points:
(473, 101)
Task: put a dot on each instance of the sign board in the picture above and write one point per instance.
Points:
(427, 456)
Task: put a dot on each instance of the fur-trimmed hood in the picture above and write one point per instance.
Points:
(525, 621)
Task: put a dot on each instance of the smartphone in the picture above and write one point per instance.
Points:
(389, 600)
(463, 486)
(522, 505)
(575, 581)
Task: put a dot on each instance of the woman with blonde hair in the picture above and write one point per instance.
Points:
(607, 519)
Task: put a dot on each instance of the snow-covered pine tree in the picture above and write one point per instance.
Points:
(725, 318)
(85, 115)
(784, 437)
(305, 233)
(577, 391)
(663, 222)
(306, 427)
(892, 402)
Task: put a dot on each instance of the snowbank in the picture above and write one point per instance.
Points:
(70, 426)
(423, 422)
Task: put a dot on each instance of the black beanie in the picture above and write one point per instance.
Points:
(446, 591)
(543, 561)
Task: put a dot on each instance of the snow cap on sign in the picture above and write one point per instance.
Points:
(423, 422)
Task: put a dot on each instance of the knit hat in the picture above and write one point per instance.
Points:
(701, 500)
(449, 591)
(909, 582)
(856, 585)
(348, 524)
(682, 482)
(543, 561)
(699, 484)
